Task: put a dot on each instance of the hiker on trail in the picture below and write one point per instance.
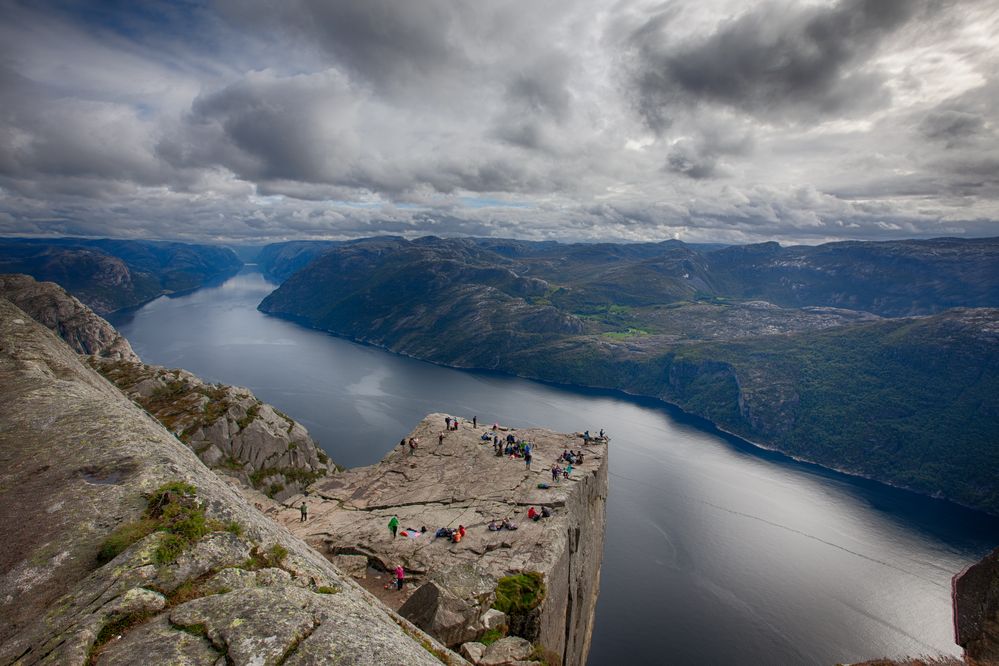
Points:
(475, 421)
(305, 512)
(440, 438)
(402, 442)
(527, 457)
(567, 471)
(394, 525)
(555, 472)
(601, 433)
(413, 443)
(447, 422)
(400, 577)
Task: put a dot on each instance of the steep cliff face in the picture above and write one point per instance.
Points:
(230, 430)
(121, 547)
(53, 307)
(462, 482)
(976, 610)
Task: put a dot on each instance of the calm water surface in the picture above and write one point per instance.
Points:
(716, 552)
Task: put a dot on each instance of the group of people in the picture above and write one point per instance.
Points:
(561, 472)
(454, 535)
(536, 515)
(412, 442)
(452, 422)
(571, 457)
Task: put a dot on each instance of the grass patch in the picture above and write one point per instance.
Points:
(492, 635)
(123, 537)
(520, 593)
(115, 626)
(269, 559)
(171, 508)
(251, 414)
(326, 589)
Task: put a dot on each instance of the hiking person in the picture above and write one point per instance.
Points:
(305, 512)
(400, 577)
(527, 457)
(475, 421)
(601, 433)
(555, 472)
(567, 471)
(447, 422)
(440, 438)
(394, 525)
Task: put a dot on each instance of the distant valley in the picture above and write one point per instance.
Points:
(878, 359)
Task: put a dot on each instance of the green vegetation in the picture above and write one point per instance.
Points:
(326, 589)
(251, 414)
(520, 593)
(492, 635)
(116, 625)
(173, 509)
(266, 559)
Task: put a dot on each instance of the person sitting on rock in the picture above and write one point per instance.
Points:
(508, 524)
(532, 514)
(546, 512)
(495, 527)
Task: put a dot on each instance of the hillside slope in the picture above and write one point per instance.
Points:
(109, 275)
(910, 402)
(121, 547)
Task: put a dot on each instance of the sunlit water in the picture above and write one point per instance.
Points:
(716, 552)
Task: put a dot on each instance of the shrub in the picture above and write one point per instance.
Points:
(520, 593)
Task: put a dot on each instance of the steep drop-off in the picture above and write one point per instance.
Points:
(460, 481)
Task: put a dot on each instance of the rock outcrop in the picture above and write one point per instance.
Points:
(121, 547)
(462, 482)
(53, 307)
(976, 610)
(230, 430)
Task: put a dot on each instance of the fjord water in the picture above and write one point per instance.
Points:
(716, 552)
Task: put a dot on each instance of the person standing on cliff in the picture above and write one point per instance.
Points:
(527, 456)
(440, 438)
(475, 421)
(400, 577)
(394, 525)
(447, 422)
(305, 512)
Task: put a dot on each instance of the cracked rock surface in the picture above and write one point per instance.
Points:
(462, 482)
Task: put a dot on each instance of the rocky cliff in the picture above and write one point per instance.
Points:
(53, 307)
(230, 430)
(976, 610)
(109, 275)
(462, 482)
(121, 547)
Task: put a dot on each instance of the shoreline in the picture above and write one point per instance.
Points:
(658, 402)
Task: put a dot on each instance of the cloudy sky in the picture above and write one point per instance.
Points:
(703, 120)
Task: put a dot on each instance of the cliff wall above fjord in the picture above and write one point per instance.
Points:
(462, 482)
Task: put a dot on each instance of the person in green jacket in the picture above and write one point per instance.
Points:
(394, 525)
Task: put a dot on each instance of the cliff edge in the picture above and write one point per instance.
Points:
(121, 547)
(461, 481)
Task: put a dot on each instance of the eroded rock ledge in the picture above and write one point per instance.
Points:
(462, 482)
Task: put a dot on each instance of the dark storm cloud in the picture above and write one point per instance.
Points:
(776, 61)
(260, 120)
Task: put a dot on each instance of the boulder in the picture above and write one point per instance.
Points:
(506, 651)
(352, 565)
(451, 603)
(473, 651)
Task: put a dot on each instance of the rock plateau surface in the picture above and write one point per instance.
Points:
(462, 482)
